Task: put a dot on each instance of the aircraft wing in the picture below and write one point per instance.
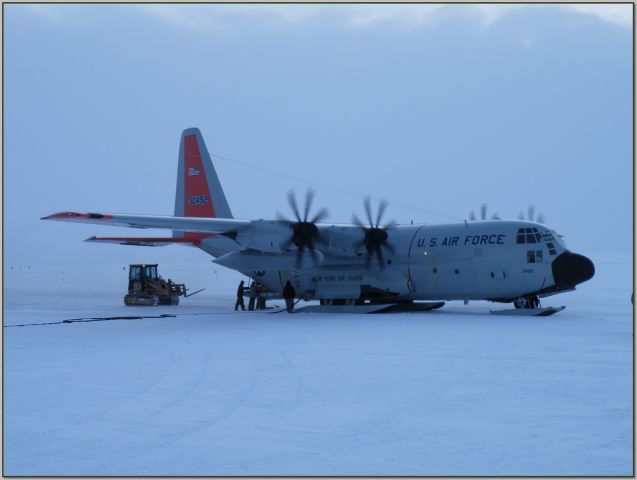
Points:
(262, 235)
(190, 224)
(258, 234)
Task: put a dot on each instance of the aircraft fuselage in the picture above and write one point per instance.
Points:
(496, 260)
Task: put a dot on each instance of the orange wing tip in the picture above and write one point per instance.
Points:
(77, 216)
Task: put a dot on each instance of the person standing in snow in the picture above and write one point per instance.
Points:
(240, 297)
(260, 299)
(288, 295)
(253, 295)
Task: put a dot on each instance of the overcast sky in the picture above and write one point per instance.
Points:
(435, 108)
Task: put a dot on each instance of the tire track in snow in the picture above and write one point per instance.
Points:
(178, 433)
(252, 397)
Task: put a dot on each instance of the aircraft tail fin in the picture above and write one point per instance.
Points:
(199, 192)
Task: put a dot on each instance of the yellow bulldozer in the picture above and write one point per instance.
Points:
(147, 288)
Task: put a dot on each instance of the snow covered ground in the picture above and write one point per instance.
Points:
(213, 392)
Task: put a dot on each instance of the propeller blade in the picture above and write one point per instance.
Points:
(322, 239)
(389, 247)
(495, 216)
(540, 218)
(315, 258)
(381, 258)
(309, 198)
(390, 225)
(282, 218)
(287, 243)
(374, 235)
(368, 260)
(368, 211)
(293, 204)
(322, 214)
(520, 215)
(357, 221)
(483, 211)
(381, 211)
(531, 212)
(472, 216)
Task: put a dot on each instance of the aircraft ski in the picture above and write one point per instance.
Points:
(366, 262)
(528, 312)
(372, 308)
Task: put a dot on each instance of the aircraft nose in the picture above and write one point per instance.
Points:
(570, 269)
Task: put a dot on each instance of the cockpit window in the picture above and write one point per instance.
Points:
(551, 248)
(528, 235)
(547, 236)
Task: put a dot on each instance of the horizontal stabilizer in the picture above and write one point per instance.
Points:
(139, 241)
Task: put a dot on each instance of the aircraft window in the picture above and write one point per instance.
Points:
(530, 256)
(456, 271)
(435, 270)
(538, 238)
(529, 230)
(530, 238)
(551, 248)
(539, 256)
(548, 236)
(521, 238)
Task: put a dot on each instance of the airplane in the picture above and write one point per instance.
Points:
(506, 261)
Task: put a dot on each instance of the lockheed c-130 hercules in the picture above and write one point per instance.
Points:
(359, 264)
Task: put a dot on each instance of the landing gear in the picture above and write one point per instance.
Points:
(526, 302)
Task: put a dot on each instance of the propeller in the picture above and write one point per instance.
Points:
(375, 236)
(483, 214)
(531, 215)
(305, 233)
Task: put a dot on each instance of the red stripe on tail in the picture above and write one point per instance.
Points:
(197, 198)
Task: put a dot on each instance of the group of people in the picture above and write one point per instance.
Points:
(288, 294)
(255, 298)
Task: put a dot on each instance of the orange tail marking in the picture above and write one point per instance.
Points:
(197, 198)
